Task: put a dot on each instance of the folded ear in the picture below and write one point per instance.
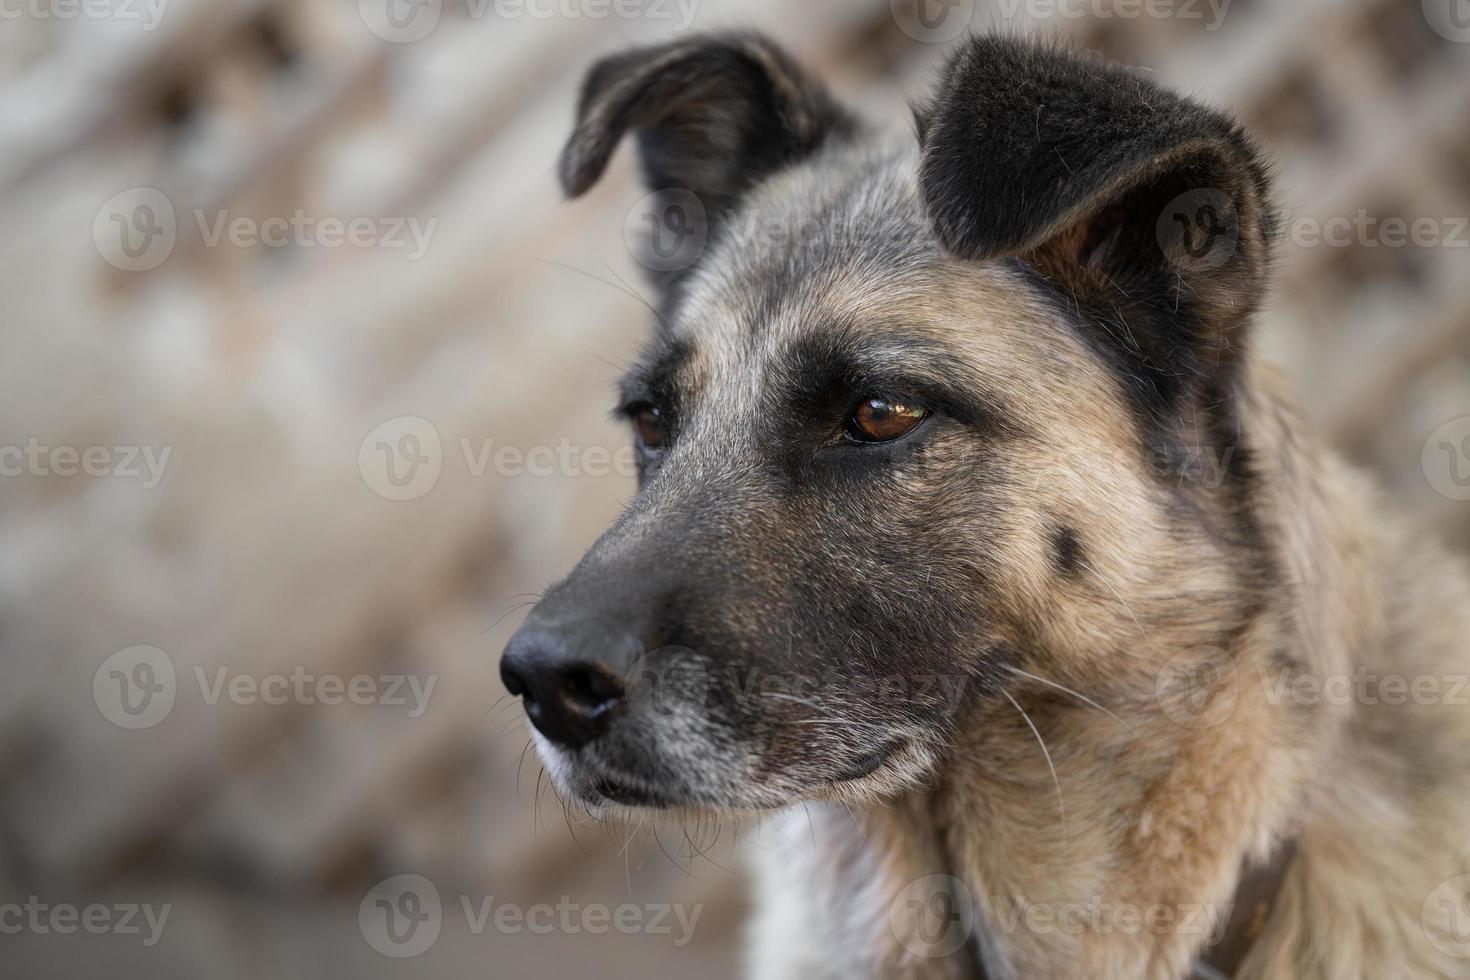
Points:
(1146, 210)
(713, 115)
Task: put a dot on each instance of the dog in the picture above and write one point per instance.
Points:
(971, 529)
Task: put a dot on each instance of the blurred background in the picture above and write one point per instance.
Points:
(304, 379)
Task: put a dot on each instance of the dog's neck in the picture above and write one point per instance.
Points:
(1130, 870)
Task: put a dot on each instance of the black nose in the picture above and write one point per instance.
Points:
(570, 699)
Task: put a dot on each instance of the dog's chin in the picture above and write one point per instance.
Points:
(599, 788)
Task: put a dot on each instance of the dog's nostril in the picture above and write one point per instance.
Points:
(512, 680)
(590, 689)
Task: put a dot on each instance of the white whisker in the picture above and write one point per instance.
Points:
(1061, 804)
(1067, 690)
(1117, 595)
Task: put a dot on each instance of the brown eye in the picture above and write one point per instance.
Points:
(649, 423)
(883, 420)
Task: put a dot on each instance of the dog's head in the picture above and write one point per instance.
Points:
(923, 415)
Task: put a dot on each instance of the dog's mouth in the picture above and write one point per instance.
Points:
(597, 784)
(605, 789)
(870, 763)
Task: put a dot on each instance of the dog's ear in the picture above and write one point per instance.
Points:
(1147, 210)
(713, 115)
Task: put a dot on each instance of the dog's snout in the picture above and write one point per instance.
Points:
(569, 698)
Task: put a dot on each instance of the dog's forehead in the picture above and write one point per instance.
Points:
(820, 243)
(842, 243)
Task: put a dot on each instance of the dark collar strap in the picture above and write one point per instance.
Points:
(1254, 901)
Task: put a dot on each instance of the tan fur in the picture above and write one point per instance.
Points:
(1160, 813)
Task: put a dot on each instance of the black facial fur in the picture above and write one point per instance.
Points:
(1067, 552)
(1073, 165)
